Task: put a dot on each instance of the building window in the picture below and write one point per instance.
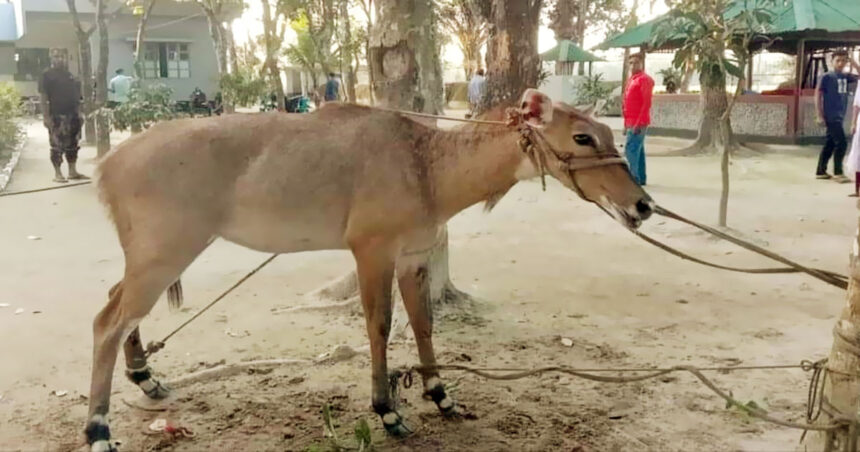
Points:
(31, 63)
(166, 60)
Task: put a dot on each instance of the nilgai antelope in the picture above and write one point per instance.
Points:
(372, 181)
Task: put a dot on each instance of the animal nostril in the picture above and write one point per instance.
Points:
(644, 208)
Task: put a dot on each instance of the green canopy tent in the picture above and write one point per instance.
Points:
(566, 54)
(819, 22)
(800, 27)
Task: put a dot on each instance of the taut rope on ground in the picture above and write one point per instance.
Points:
(54, 187)
(834, 279)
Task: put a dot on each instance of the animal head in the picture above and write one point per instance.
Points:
(580, 153)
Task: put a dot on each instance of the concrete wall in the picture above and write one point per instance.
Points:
(47, 30)
(757, 117)
(55, 29)
(194, 32)
(7, 60)
(765, 116)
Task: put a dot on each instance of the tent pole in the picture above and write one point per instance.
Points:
(798, 84)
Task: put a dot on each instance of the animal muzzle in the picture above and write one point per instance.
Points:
(631, 216)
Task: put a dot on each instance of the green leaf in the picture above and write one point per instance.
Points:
(733, 69)
(362, 432)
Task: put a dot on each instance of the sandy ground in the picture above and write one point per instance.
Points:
(543, 266)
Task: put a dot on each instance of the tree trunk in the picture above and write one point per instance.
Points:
(369, 58)
(513, 63)
(231, 47)
(216, 32)
(625, 72)
(724, 172)
(471, 57)
(139, 50)
(841, 384)
(346, 53)
(271, 63)
(102, 118)
(407, 73)
(714, 130)
(689, 69)
(86, 67)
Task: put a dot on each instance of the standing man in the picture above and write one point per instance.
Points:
(61, 103)
(831, 100)
(332, 88)
(637, 115)
(477, 90)
(119, 87)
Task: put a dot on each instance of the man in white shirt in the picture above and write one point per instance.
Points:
(119, 86)
(477, 90)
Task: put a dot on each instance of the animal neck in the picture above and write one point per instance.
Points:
(474, 163)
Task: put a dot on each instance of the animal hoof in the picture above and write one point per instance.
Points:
(448, 408)
(98, 434)
(151, 387)
(102, 446)
(446, 404)
(154, 389)
(395, 426)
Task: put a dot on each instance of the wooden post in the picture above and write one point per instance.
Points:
(798, 84)
(842, 385)
(749, 81)
(625, 69)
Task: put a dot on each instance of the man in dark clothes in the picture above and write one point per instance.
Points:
(831, 100)
(61, 104)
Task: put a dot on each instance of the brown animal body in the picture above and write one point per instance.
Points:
(346, 177)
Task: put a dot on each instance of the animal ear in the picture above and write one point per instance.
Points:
(588, 111)
(536, 108)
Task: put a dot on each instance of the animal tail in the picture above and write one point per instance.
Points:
(174, 296)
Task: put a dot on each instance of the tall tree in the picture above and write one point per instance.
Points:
(85, 54)
(463, 19)
(217, 13)
(347, 49)
(707, 37)
(273, 36)
(102, 117)
(407, 72)
(367, 8)
(407, 76)
(139, 50)
(574, 19)
(513, 63)
(713, 43)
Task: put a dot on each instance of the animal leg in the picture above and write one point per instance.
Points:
(147, 275)
(413, 279)
(375, 264)
(138, 371)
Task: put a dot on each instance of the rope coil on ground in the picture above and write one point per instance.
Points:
(591, 374)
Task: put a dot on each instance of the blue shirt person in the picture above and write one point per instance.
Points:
(831, 100)
(332, 88)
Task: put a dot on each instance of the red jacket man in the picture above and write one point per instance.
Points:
(637, 115)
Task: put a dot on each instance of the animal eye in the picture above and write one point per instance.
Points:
(583, 139)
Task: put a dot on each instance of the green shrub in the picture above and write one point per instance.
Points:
(591, 89)
(244, 87)
(147, 104)
(11, 132)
